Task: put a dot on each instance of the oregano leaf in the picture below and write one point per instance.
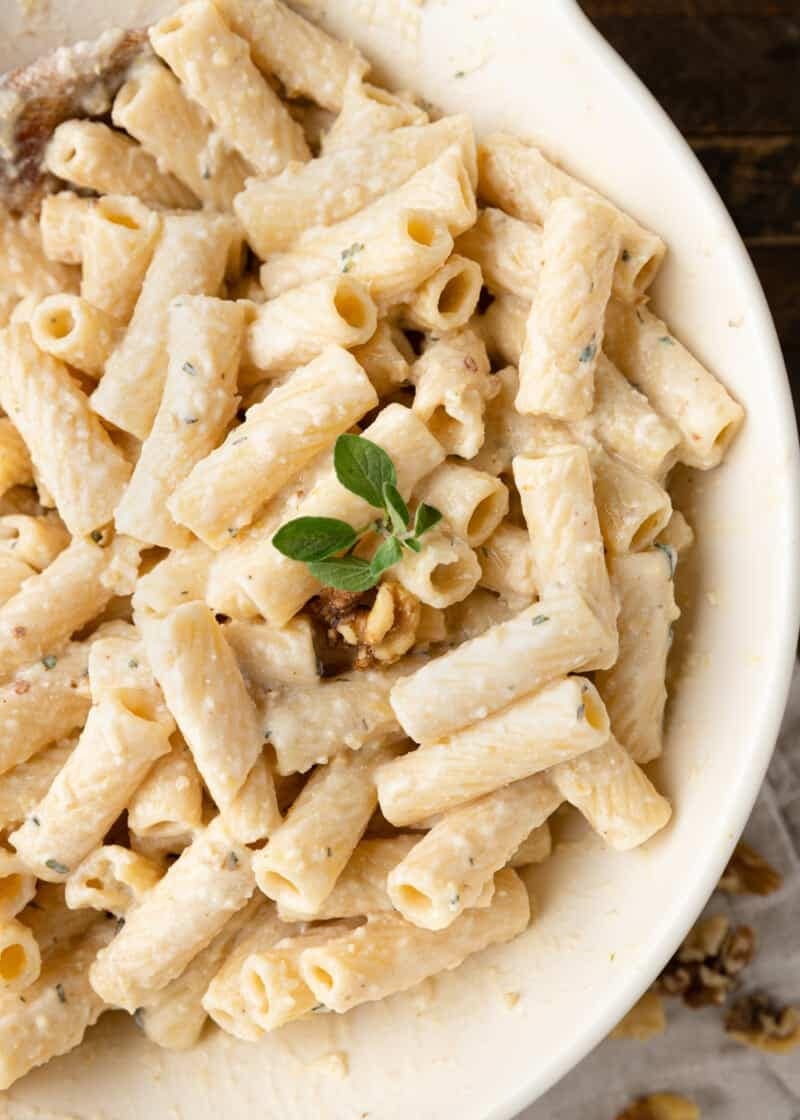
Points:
(362, 468)
(348, 573)
(314, 538)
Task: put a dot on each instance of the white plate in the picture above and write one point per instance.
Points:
(608, 922)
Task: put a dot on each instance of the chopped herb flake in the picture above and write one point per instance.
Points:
(348, 255)
(49, 661)
(54, 865)
(96, 535)
(454, 901)
(328, 853)
(588, 352)
(190, 419)
(625, 256)
(231, 861)
(236, 442)
(187, 367)
(120, 922)
(62, 995)
(581, 712)
(460, 74)
(666, 340)
(539, 619)
(36, 821)
(133, 663)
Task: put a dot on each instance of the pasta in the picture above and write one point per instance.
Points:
(297, 421)
(337, 549)
(52, 413)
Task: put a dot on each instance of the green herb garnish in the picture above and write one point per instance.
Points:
(326, 544)
(588, 352)
(538, 619)
(62, 995)
(671, 555)
(49, 661)
(348, 255)
(96, 535)
(54, 865)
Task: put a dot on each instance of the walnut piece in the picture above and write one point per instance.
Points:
(661, 1106)
(706, 968)
(756, 1021)
(749, 873)
(381, 626)
(646, 1019)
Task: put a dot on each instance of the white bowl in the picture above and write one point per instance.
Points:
(608, 922)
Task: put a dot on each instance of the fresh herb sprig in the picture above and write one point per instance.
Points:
(326, 544)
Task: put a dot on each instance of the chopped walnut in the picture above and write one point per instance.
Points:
(757, 1021)
(646, 1019)
(748, 873)
(706, 967)
(661, 1106)
(381, 626)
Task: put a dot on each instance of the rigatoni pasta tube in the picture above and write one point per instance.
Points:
(361, 887)
(632, 509)
(28, 782)
(388, 954)
(559, 505)
(447, 299)
(62, 998)
(119, 236)
(13, 574)
(277, 587)
(42, 704)
(224, 1000)
(508, 251)
(564, 333)
(215, 68)
(174, 1018)
(17, 884)
(205, 692)
(273, 989)
(308, 852)
(307, 61)
(559, 634)
(35, 540)
(675, 383)
(72, 330)
(299, 419)
(563, 720)
(369, 112)
(15, 461)
(209, 882)
(93, 156)
(111, 878)
(74, 588)
(398, 252)
(453, 383)
(443, 572)
(310, 725)
(20, 960)
(473, 502)
(61, 220)
(386, 358)
(276, 211)
(189, 259)
(627, 425)
(53, 417)
(447, 871)
(269, 656)
(614, 794)
(634, 687)
(508, 565)
(204, 342)
(289, 331)
(519, 179)
(253, 814)
(152, 107)
(168, 805)
(116, 748)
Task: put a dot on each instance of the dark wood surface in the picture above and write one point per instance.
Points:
(728, 73)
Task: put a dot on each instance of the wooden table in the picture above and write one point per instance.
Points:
(728, 73)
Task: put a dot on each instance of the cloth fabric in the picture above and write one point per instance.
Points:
(727, 1080)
